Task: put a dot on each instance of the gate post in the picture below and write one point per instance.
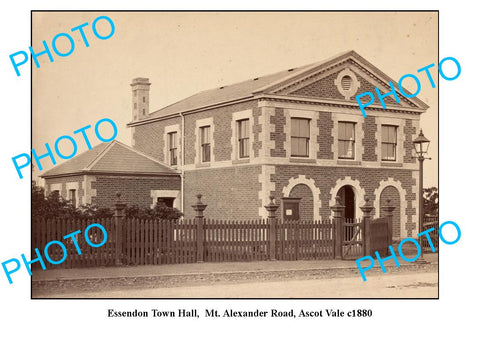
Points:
(118, 215)
(367, 241)
(388, 209)
(199, 207)
(338, 213)
(272, 220)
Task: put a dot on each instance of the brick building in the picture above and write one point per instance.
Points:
(298, 135)
(96, 175)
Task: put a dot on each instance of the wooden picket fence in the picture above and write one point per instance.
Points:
(236, 240)
(155, 242)
(46, 230)
(305, 240)
(158, 242)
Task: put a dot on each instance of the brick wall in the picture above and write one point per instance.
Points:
(231, 193)
(222, 134)
(278, 135)
(410, 133)
(257, 129)
(63, 181)
(392, 194)
(323, 88)
(135, 190)
(369, 141)
(325, 138)
(326, 179)
(150, 138)
(306, 202)
(367, 86)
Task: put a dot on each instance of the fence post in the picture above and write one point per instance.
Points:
(338, 218)
(199, 207)
(367, 241)
(388, 209)
(272, 220)
(118, 215)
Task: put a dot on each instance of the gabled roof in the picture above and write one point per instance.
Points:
(270, 84)
(111, 158)
(225, 93)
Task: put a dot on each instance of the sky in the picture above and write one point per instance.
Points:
(184, 53)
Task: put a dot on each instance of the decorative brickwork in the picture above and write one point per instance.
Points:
(365, 85)
(369, 141)
(325, 135)
(279, 135)
(257, 130)
(222, 134)
(410, 134)
(368, 179)
(323, 88)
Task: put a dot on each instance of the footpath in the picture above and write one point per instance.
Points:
(170, 275)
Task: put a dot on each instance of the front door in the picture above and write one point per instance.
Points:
(291, 208)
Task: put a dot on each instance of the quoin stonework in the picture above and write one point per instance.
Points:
(297, 135)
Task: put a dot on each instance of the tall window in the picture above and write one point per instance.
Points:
(300, 137)
(172, 147)
(205, 143)
(243, 138)
(346, 140)
(389, 143)
(72, 197)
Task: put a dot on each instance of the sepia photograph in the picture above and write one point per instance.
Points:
(234, 154)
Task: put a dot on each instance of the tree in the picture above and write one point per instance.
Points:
(160, 211)
(55, 206)
(93, 211)
(430, 201)
(39, 204)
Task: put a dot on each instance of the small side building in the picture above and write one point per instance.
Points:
(96, 175)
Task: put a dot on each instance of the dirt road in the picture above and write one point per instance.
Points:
(391, 285)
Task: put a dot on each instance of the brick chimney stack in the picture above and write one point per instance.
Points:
(140, 98)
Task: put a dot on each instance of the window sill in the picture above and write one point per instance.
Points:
(392, 164)
(348, 162)
(241, 161)
(302, 160)
(202, 165)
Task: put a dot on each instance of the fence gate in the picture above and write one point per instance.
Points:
(353, 245)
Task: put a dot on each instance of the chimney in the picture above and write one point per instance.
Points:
(140, 98)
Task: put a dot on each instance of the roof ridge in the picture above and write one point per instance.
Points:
(249, 88)
(310, 67)
(75, 158)
(99, 156)
(233, 84)
(145, 155)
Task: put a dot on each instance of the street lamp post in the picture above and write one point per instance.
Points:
(421, 144)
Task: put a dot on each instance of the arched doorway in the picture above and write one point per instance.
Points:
(347, 198)
(305, 208)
